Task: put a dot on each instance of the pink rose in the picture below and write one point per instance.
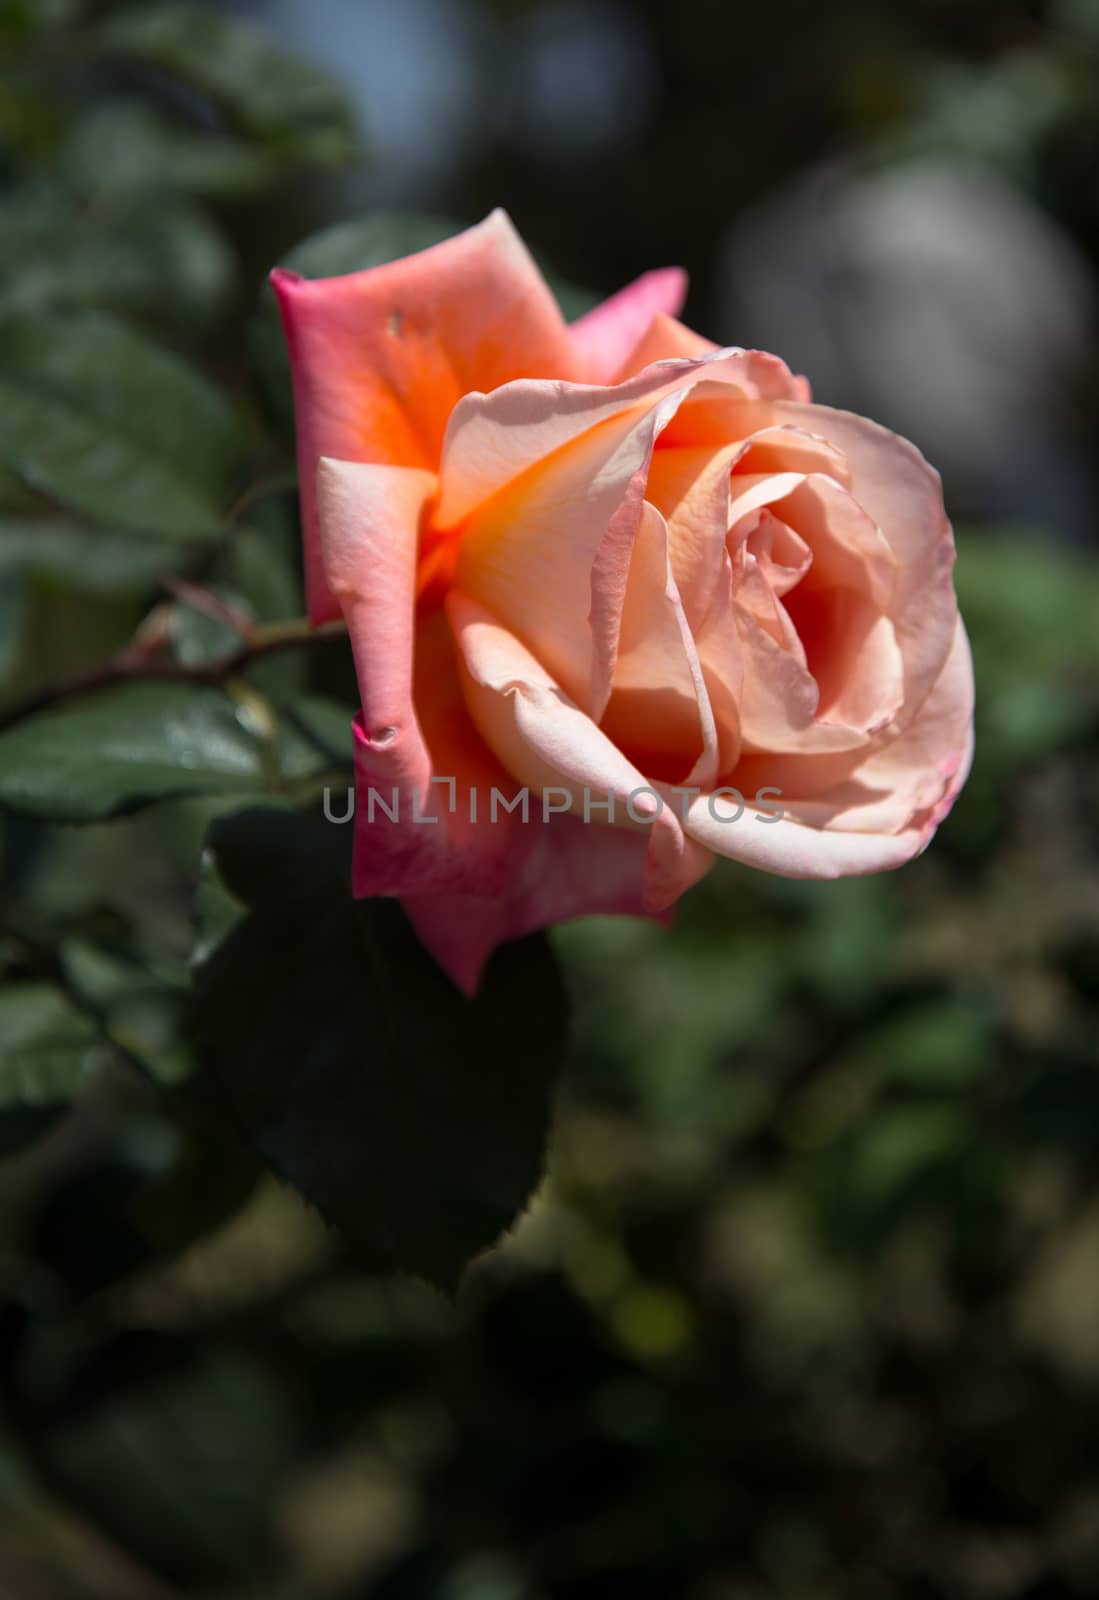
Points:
(610, 573)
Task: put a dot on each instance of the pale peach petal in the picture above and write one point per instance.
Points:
(662, 339)
(659, 709)
(691, 489)
(851, 649)
(547, 742)
(492, 438)
(834, 691)
(913, 778)
(880, 788)
(902, 494)
(756, 594)
(370, 517)
(749, 492)
(789, 848)
(380, 358)
(722, 661)
(605, 336)
(538, 733)
(779, 702)
(782, 556)
(849, 549)
(529, 554)
(783, 448)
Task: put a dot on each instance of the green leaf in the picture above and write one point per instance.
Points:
(123, 147)
(140, 1013)
(27, 16)
(262, 563)
(49, 1047)
(315, 736)
(108, 423)
(67, 555)
(135, 744)
(1036, 682)
(1009, 586)
(147, 253)
(414, 1119)
(197, 1435)
(202, 635)
(126, 748)
(944, 1044)
(14, 608)
(291, 104)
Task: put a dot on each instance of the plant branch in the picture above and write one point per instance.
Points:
(135, 663)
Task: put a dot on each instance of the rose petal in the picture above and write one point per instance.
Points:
(659, 709)
(915, 775)
(369, 520)
(790, 849)
(492, 438)
(559, 872)
(881, 817)
(663, 339)
(546, 741)
(529, 554)
(691, 489)
(381, 357)
(605, 336)
(902, 494)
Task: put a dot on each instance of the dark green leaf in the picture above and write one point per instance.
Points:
(126, 748)
(204, 633)
(290, 103)
(1009, 587)
(123, 146)
(107, 422)
(263, 564)
(413, 1118)
(174, 1449)
(154, 254)
(14, 606)
(71, 556)
(314, 736)
(140, 1013)
(49, 1047)
(26, 16)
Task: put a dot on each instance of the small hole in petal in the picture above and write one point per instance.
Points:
(381, 738)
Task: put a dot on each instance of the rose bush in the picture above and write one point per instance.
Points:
(604, 559)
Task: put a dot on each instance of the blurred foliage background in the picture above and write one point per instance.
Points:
(808, 1306)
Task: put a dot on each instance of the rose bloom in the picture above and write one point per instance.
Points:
(598, 559)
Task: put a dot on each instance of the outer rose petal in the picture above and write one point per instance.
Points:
(369, 519)
(380, 358)
(882, 818)
(605, 336)
(559, 872)
(413, 724)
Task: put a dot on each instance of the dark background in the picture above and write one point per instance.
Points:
(809, 1306)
